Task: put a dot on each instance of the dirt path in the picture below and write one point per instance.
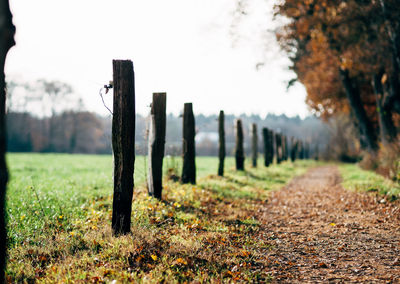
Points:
(321, 232)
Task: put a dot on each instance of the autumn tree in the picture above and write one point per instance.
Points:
(346, 55)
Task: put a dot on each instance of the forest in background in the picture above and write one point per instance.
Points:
(86, 132)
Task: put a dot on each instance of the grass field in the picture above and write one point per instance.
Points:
(355, 178)
(59, 211)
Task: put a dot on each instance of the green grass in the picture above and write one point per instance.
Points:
(59, 211)
(355, 178)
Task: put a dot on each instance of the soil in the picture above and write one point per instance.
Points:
(320, 232)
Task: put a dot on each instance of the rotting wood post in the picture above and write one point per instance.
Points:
(188, 147)
(221, 153)
(7, 31)
(287, 148)
(293, 150)
(239, 151)
(156, 144)
(254, 145)
(123, 143)
(271, 146)
(278, 147)
(265, 134)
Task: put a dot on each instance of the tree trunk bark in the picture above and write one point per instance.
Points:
(221, 132)
(157, 144)
(123, 142)
(366, 129)
(189, 151)
(239, 152)
(386, 125)
(254, 145)
(7, 31)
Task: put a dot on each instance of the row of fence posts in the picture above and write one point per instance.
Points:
(123, 143)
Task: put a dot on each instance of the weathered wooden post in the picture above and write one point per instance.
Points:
(270, 147)
(294, 149)
(278, 149)
(157, 144)
(239, 151)
(188, 147)
(7, 31)
(265, 133)
(123, 143)
(221, 132)
(254, 145)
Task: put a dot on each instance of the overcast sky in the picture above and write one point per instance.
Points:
(194, 50)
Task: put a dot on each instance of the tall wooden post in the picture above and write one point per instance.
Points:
(221, 132)
(189, 152)
(254, 145)
(239, 152)
(123, 143)
(294, 149)
(265, 133)
(316, 154)
(7, 31)
(157, 143)
(271, 146)
(278, 149)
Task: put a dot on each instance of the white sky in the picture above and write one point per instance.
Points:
(183, 47)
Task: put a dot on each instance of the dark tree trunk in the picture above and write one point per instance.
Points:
(239, 152)
(366, 129)
(386, 125)
(123, 142)
(254, 145)
(7, 31)
(266, 143)
(157, 143)
(189, 152)
(221, 132)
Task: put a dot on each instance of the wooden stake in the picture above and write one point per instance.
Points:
(239, 152)
(254, 145)
(221, 132)
(157, 144)
(266, 142)
(123, 142)
(189, 152)
(7, 31)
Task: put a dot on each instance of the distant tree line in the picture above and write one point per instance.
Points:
(48, 116)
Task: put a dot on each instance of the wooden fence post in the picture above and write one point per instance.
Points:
(188, 148)
(157, 144)
(293, 150)
(278, 149)
(123, 143)
(7, 31)
(221, 132)
(254, 145)
(239, 151)
(265, 133)
(271, 146)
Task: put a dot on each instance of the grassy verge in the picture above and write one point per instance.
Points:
(355, 178)
(60, 213)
